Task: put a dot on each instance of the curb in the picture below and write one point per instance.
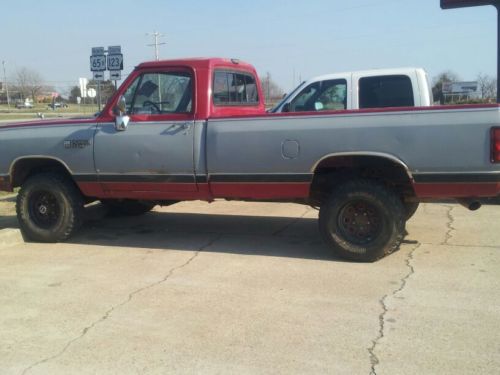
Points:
(10, 237)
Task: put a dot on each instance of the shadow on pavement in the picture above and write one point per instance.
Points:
(248, 235)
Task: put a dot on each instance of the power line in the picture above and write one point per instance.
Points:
(156, 35)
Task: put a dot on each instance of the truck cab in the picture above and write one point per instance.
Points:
(381, 88)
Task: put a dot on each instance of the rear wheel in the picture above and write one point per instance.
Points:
(49, 208)
(362, 221)
(127, 207)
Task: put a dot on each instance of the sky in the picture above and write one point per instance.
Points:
(292, 40)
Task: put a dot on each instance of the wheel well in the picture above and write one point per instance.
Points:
(24, 168)
(337, 169)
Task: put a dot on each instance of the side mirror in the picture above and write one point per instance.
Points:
(286, 107)
(120, 111)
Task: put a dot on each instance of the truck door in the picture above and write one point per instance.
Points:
(154, 155)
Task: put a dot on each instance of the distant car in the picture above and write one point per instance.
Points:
(24, 105)
(57, 105)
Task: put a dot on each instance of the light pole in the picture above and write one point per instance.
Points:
(5, 82)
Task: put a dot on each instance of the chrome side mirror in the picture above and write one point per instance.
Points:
(120, 111)
(121, 123)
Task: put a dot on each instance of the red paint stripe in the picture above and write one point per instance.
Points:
(61, 122)
(457, 190)
(363, 111)
(145, 190)
(195, 191)
(149, 186)
(260, 190)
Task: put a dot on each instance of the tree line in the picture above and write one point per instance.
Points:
(28, 83)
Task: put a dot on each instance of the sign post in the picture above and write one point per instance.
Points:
(98, 66)
(451, 4)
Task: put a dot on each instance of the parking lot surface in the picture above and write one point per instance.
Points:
(250, 288)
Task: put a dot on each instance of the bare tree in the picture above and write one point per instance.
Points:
(29, 82)
(487, 86)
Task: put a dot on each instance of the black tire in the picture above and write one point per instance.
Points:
(49, 208)
(127, 207)
(410, 208)
(362, 221)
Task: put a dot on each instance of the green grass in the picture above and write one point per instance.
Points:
(44, 108)
(13, 113)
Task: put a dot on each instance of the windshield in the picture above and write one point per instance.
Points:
(287, 97)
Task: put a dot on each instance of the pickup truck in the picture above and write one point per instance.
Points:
(196, 129)
(380, 88)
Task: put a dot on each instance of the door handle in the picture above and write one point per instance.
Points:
(183, 126)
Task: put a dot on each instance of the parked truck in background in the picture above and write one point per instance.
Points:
(196, 129)
(380, 88)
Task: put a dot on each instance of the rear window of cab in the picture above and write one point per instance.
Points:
(234, 88)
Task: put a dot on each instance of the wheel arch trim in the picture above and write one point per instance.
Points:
(382, 155)
(35, 157)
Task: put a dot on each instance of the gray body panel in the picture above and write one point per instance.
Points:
(426, 141)
(455, 141)
(48, 141)
(164, 148)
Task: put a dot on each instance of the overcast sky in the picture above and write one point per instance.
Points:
(281, 37)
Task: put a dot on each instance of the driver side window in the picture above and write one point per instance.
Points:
(160, 93)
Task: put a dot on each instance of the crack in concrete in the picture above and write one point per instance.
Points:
(288, 225)
(131, 295)
(449, 225)
(374, 360)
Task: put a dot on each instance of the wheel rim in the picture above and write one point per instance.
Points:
(44, 209)
(360, 222)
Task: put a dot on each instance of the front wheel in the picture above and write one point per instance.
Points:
(49, 208)
(362, 221)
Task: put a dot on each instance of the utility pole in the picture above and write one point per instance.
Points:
(5, 82)
(156, 44)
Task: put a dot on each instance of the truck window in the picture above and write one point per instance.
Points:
(386, 91)
(330, 95)
(234, 88)
(160, 93)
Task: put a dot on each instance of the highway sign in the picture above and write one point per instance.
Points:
(97, 63)
(115, 62)
(98, 76)
(91, 93)
(115, 75)
(114, 50)
(97, 51)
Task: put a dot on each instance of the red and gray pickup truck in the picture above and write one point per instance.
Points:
(197, 129)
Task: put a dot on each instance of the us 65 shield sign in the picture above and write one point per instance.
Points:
(98, 63)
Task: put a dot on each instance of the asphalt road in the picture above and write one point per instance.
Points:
(249, 288)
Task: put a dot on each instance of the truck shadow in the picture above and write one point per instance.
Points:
(217, 233)
(8, 212)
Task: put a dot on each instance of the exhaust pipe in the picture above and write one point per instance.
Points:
(470, 204)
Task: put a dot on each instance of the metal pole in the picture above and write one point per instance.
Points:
(99, 95)
(157, 55)
(6, 86)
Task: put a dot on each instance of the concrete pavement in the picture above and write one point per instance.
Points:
(234, 287)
